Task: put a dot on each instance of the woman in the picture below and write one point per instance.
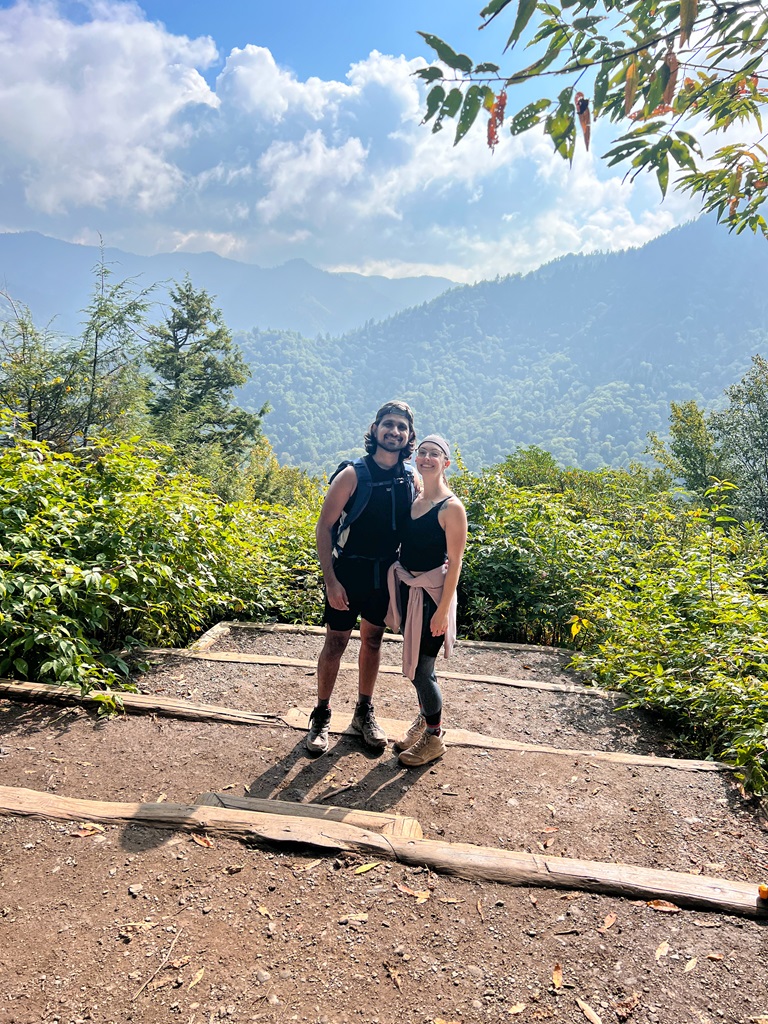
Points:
(422, 594)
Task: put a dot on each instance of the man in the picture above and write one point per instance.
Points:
(358, 534)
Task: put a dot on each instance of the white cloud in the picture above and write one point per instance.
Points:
(108, 125)
(88, 112)
(252, 81)
(308, 177)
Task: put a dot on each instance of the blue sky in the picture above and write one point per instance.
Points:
(269, 131)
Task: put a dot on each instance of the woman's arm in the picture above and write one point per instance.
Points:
(453, 519)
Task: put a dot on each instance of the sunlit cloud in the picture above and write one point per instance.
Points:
(107, 126)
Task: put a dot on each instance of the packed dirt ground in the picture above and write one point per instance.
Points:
(126, 922)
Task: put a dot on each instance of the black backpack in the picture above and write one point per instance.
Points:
(362, 496)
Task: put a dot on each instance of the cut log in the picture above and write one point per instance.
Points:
(483, 645)
(459, 859)
(386, 824)
(348, 666)
(143, 702)
(298, 718)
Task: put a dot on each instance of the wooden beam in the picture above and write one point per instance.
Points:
(298, 718)
(460, 859)
(483, 645)
(141, 702)
(387, 824)
(348, 666)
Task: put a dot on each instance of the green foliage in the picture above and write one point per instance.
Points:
(676, 621)
(115, 545)
(652, 68)
(690, 454)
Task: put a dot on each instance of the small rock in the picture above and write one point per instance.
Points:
(134, 890)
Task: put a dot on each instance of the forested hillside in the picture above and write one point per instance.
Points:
(581, 357)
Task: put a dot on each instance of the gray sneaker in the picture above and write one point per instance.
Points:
(317, 737)
(415, 731)
(364, 724)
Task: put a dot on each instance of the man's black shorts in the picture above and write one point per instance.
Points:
(359, 577)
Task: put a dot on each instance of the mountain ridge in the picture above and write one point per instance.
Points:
(54, 279)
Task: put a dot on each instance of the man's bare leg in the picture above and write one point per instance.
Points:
(329, 661)
(370, 657)
(364, 721)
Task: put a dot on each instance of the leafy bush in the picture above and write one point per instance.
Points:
(114, 546)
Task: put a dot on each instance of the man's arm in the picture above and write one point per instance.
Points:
(339, 493)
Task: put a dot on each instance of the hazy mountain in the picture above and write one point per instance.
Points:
(55, 280)
(581, 357)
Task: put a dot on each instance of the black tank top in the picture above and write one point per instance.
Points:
(373, 534)
(423, 545)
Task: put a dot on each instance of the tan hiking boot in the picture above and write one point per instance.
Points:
(415, 731)
(427, 748)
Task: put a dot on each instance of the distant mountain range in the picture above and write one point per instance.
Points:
(54, 279)
(581, 357)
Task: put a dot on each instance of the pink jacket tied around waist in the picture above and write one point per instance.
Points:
(432, 582)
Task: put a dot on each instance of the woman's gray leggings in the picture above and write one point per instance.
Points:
(430, 697)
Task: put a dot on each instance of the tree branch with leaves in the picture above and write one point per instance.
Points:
(668, 72)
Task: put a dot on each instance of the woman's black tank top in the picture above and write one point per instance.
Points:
(423, 544)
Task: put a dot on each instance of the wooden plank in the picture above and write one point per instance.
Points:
(142, 702)
(210, 637)
(234, 657)
(388, 824)
(484, 645)
(463, 860)
(298, 718)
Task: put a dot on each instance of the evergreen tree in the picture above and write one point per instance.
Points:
(196, 370)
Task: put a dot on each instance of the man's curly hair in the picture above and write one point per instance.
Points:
(404, 410)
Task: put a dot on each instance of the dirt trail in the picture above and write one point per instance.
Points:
(133, 923)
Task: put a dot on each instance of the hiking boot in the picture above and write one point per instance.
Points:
(427, 748)
(364, 724)
(415, 732)
(317, 737)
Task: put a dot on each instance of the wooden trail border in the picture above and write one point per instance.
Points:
(297, 718)
(463, 860)
(221, 629)
(348, 666)
(386, 824)
(140, 702)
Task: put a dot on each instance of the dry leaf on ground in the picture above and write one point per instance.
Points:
(588, 1012)
(203, 841)
(197, 978)
(609, 922)
(517, 1008)
(395, 976)
(623, 1008)
(363, 868)
(557, 976)
(715, 956)
(664, 905)
(690, 965)
(662, 950)
(422, 895)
